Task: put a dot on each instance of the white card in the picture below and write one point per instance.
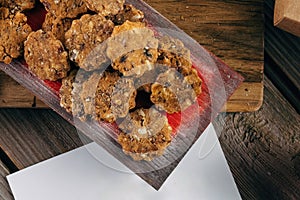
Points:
(77, 175)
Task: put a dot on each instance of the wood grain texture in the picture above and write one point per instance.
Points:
(283, 49)
(5, 193)
(233, 30)
(263, 148)
(30, 136)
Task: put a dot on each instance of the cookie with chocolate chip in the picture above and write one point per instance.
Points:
(132, 48)
(115, 96)
(14, 31)
(173, 53)
(145, 134)
(172, 92)
(46, 56)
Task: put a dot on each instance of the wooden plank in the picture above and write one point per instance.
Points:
(284, 50)
(5, 192)
(30, 136)
(263, 148)
(233, 30)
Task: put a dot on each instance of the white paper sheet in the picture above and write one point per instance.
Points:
(77, 175)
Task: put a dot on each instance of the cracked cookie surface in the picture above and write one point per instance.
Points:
(14, 32)
(46, 56)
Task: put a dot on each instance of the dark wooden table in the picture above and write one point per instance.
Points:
(262, 147)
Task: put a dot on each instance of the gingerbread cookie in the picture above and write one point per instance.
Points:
(145, 134)
(173, 53)
(57, 26)
(129, 13)
(65, 92)
(105, 7)
(65, 8)
(46, 56)
(85, 41)
(172, 92)
(14, 32)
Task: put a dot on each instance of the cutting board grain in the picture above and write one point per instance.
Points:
(233, 30)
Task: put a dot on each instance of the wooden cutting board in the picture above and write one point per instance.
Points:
(233, 30)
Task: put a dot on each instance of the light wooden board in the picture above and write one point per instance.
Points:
(233, 30)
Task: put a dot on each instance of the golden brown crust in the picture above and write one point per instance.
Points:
(105, 7)
(65, 92)
(57, 26)
(173, 53)
(145, 134)
(85, 41)
(135, 63)
(46, 56)
(17, 5)
(14, 32)
(65, 8)
(129, 13)
(172, 92)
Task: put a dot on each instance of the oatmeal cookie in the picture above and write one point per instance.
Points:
(46, 56)
(17, 5)
(65, 92)
(65, 8)
(114, 97)
(137, 62)
(145, 134)
(105, 7)
(57, 26)
(192, 78)
(131, 44)
(129, 13)
(172, 92)
(123, 97)
(85, 41)
(4, 13)
(14, 32)
(173, 53)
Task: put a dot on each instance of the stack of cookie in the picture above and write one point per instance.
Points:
(105, 55)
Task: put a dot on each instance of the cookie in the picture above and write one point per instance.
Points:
(4, 13)
(65, 92)
(17, 5)
(85, 41)
(14, 32)
(129, 13)
(172, 92)
(77, 102)
(173, 53)
(191, 77)
(137, 62)
(57, 26)
(130, 45)
(46, 56)
(105, 7)
(65, 8)
(123, 97)
(145, 133)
